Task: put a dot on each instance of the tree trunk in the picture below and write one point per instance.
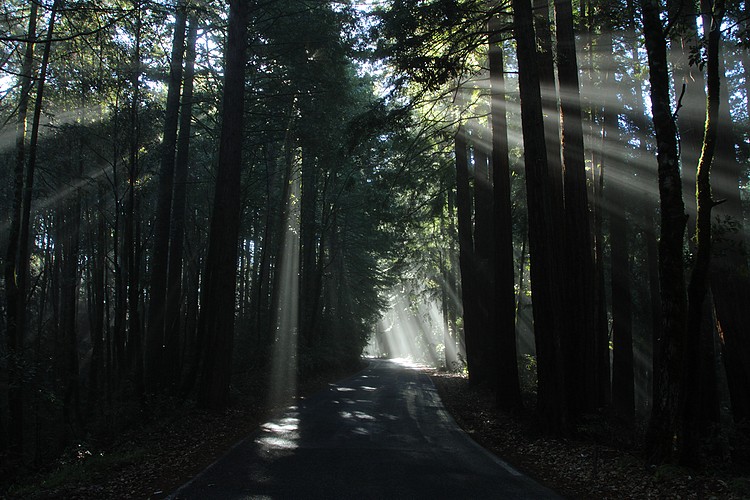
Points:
(216, 322)
(580, 338)
(508, 387)
(691, 428)
(156, 362)
(15, 297)
(484, 266)
(670, 356)
(688, 78)
(542, 232)
(68, 316)
(545, 61)
(24, 241)
(133, 367)
(117, 344)
(466, 257)
(99, 303)
(177, 226)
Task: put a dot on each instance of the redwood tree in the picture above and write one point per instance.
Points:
(216, 321)
(508, 388)
(543, 233)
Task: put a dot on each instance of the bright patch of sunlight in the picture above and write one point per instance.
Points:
(280, 434)
(284, 363)
(411, 331)
(407, 363)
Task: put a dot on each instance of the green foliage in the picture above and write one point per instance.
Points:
(429, 42)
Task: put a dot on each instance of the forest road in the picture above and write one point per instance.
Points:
(382, 433)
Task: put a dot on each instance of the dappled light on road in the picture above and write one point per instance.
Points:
(383, 433)
(281, 434)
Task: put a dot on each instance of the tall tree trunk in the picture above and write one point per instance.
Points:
(542, 232)
(689, 79)
(453, 273)
(691, 428)
(99, 304)
(580, 328)
(15, 297)
(70, 242)
(484, 265)
(24, 245)
(466, 256)
(216, 322)
(177, 225)
(508, 387)
(133, 367)
(116, 344)
(156, 363)
(670, 356)
(545, 60)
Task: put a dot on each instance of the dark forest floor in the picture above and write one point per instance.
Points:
(153, 460)
(581, 468)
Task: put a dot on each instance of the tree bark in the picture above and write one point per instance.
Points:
(580, 338)
(131, 241)
(466, 258)
(670, 356)
(155, 353)
(684, 37)
(508, 387)
(14, 295)
(542, 232)
(99, 305)
(216, 322)
(70, 243)
(24, 242)
(173, 324)
(545, 61)
(484, 266)
(691, 428)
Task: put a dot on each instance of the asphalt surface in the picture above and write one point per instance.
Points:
(382, 433)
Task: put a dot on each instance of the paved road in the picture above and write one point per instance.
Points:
(382, 433)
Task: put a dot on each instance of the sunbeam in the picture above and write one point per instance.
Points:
(284, 362)
(412, 328)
